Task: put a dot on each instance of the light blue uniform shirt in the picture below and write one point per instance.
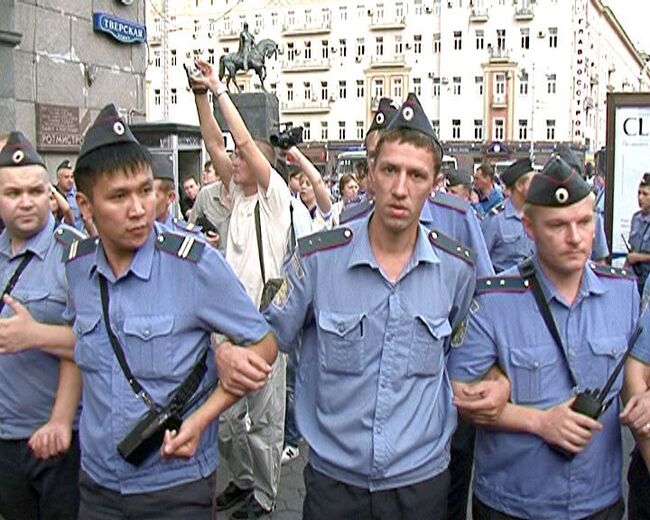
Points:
(493, 199)
(600, 249)
(640, 243)
(30, 378)
(373, 399)
(455, 218)
(162, 310)
(71, 197)
(517, 473)
(506, 240)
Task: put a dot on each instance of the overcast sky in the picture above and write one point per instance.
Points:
(630, 14)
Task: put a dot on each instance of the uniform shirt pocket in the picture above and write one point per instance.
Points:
(36, 301)
(88, 352)
(426, 352)
(148, 345)
(532, 370)
(606, 353)
(342, 339)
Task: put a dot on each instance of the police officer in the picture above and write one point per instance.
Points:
(505, 238)
(65, 186)
(374, 346)
(161, 295)
(459, 183)
(39, 449)
(639, 256)
(519, 471)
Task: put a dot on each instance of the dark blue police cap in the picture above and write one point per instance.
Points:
(18, 151)
(557, 185)
(109, 128)
(162, 167)
(515, 170)
(386, 110)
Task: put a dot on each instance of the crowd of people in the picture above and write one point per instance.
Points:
(424, 330)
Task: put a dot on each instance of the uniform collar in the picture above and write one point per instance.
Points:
(169, 221)
(590, 284)
(510, 210)
(362, 251)
(645, 216)
(140, 263)
(38, 243)
(425, 215)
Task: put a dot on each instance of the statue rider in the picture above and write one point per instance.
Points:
(246, 42)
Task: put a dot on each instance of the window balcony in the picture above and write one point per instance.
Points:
(313, 106)
(305, 28)
(387, 23)
(225, 34)
(154, 39)
(478, 15)
(498, 55)
(310, 65)
(392, 60)
(524, 14)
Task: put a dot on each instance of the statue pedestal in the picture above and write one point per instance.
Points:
(259, 110)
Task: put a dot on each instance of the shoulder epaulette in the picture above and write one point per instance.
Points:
(612, 272)
(356, 211)
(67, 235)
(449, 245)
(501, 284)
(449, 201)
(80, 248)
(183, 246)
(498, 208)
(324, 240)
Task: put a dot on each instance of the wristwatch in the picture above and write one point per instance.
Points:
(221, 89)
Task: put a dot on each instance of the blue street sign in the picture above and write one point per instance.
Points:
(124, 31)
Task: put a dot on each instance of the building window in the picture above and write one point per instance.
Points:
(523, 129)
(306, 130)
(417, 44)
(478, 129)
(259, 21)
(455, 128)
(435, 123)
(158, 25)
(480, 40)
(325, 49)
(211, 56)
(274, 19)
(343, 89)
(500, 84)
(324, 91)
(291, 18)
(291, 51)
(399, 46)
(156, 59)
(499, 129)
(341, 130)
(343, 13)
(360, 132)
(307, 17)
(479, 84)
(308, 50)
(417, 86)
(417, 7)
(343, 48)
(197, 26)
(501, 39)
(323, 131)
(380, 11)
(399, 9)
(525, 38)
(436, 87)
(289, 91)
(551, 83)
(361, 10)
(173, 57)
(227, 24)
(361, 47)
(174, 96)
(396, 88)
(274, 90)
(523, 84)
(456, 85)
(436, 7)
(552, 37)
(378, 88)
(156, 97)
(436, 44)
(550, 129)
(307, 90)
(458, 40)
(360, 88)
(326, 17)
(379, 48)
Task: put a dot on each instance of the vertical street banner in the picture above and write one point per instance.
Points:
(628, 158)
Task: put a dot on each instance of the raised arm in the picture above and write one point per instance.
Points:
(321, 192)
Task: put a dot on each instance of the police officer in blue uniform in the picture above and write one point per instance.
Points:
(505, 238)
(522, 467)
(639, 256)
(160, 295)
(374, 345)
(39, 448)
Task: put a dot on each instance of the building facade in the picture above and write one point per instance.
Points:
(498, 78)
(62, 61)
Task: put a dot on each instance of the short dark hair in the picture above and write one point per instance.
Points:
(207, 165)
(415, 138)
(107, 160)
(344, 180)
(166, 185)
(187, 178)
(486, 170)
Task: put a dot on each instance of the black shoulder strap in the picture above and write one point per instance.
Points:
(181, 395)
(258, 233)
(14, 277)
(527, 271)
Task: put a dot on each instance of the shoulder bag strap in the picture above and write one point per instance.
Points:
(258, 233)
(14, 277)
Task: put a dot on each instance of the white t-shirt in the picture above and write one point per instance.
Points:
(275, 218)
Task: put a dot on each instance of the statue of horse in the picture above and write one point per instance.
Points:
(233, 62)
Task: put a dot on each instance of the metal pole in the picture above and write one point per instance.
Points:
(165, 61)
(531, 152)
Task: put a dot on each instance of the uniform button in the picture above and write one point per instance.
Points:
(378, 429)
(536, 364)
(389, 337)
(146, 333)
(340, 327)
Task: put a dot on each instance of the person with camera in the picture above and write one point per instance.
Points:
(144, 302)
(252, 431)
(39, 394)
(567, 324)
